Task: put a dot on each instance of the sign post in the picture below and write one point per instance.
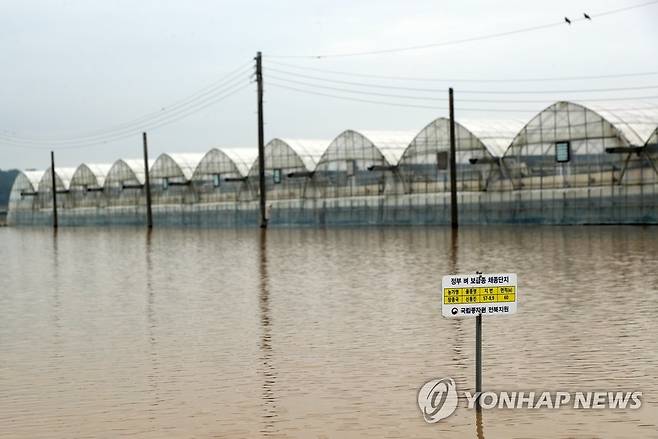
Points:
(477, 295)
(478, 356)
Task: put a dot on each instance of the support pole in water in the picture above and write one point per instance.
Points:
(54, 187)
(454, 221)
(147, 184)
(478, 358)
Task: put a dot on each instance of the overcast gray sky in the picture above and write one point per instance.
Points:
(76, 67)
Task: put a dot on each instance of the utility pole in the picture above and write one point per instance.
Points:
(261, 143)
(54, 187)
(147, 183)
(454, 220)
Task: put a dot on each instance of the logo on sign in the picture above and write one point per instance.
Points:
(437, 399)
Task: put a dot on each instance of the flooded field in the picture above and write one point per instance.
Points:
(317, 333)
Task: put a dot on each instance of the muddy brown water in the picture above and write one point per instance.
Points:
(317, 333)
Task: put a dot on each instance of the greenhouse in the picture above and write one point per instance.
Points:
(424, 166)
(569, 164)
(360, 163)
(24, 193)
(124, 183)
(571, 145)
(171, 178)
(63, 178)
(288, 167)
(86, 186)
(221, 175)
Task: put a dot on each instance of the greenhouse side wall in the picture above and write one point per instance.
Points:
(614, 204)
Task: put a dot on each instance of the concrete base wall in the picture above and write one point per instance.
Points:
(601, 205)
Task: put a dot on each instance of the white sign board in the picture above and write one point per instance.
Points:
(467, 295)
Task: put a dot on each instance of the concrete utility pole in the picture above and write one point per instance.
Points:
(261, 143)
(54, 187)
(147, 184)
(454, 220)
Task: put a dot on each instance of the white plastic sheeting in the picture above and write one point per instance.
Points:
(26, 182)
(90, 175)
(309, 150)
(588, 132)
(220, 175)
(654, 138)
(288, 163)
(126, 171)
(354, 164)
(218, 162)
(585, 138)
(32, 178)
(424, 166)
(391, 144)
(63, 178)
(176, 166)
(354, 146)
(435, 138)
(23, 195)
(495, 135)
(636, 121)
(243, 158)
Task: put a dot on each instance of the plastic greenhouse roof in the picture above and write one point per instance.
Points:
(636, 121)
(137, 167)
(63, 174)
(34, 177)
(495, 135)
(99, 170)
(654, 138)
(309, 150)
(186, 162)
(391, 144)
(243, 158)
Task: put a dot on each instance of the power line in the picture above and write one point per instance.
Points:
(433, 90)
(140, 122)
(205, 94)
(123, 134)
(360, 84)
(588, 90)
(396, 104)
(535, 101)
(457, 80)
(410, 105)
(465, 40)
(346, 90)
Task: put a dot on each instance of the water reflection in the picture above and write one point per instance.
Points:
(459, 356)
(268, 371)
(153, 376)
(57, 304)
(479, 430)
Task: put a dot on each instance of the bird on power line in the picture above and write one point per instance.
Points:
(587, 16)
(567, 20)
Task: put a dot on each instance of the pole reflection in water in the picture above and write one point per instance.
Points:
(479, 430)
(154, 375)
(57, 304)
(459, 357)
(268, 371)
